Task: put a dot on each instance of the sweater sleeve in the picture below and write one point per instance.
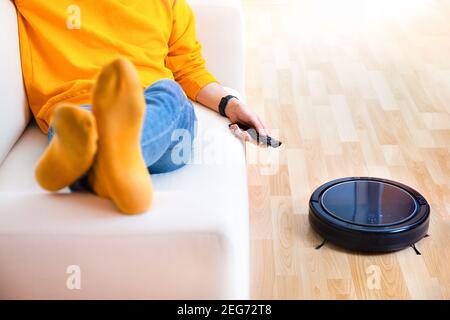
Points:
(185, 58)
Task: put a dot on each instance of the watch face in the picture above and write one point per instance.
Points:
(369, 203)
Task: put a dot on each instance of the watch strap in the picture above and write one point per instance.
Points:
(224, 103)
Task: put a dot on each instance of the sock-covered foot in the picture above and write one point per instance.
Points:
(71, 151)
(119, 171)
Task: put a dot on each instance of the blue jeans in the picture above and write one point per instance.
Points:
(170, 126)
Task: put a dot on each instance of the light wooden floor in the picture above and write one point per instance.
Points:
(356, 88)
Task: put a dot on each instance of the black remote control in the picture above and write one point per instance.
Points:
(260, 139)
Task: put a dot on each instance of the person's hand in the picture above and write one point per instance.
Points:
(237, 111)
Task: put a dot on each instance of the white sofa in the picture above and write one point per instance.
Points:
(193, 243)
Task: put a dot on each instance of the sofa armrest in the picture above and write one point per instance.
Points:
(220, 30)
(13, 105)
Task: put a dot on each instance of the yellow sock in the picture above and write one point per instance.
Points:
(72, 149)
(119, 171)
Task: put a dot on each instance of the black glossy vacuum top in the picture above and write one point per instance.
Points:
(369, 203)
(369, 214)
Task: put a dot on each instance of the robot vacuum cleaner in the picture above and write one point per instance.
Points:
(369, 214)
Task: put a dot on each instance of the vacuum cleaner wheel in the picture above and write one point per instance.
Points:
(369, 214)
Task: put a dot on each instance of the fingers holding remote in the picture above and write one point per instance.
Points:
(260, 126)
(249, 135)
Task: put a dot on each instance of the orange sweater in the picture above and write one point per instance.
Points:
(65, 43)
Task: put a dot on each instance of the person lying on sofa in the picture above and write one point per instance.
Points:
(109, 82)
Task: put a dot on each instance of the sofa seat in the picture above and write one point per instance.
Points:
(193, 243)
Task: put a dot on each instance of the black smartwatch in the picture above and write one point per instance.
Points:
(224, 103)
